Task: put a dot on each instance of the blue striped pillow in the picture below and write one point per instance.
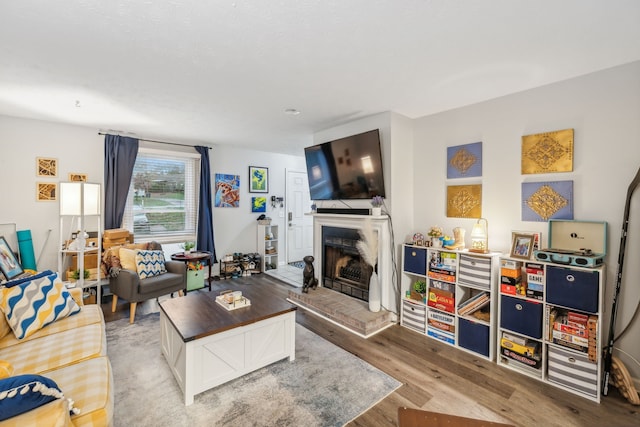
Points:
(32, 305)
(150, 263)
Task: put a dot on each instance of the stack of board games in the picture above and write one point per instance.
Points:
(574, 330)
(521, 350)
(511, 282)
(442, 266)
(535, 280)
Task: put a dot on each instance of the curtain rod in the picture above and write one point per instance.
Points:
(158, 142)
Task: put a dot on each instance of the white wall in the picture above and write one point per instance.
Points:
(78, 149)
(235, 228)
(603, 109)
(81, 150)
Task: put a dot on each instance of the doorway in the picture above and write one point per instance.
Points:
(299, 228)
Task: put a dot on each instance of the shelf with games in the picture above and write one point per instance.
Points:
(458, 306)
(550, 323)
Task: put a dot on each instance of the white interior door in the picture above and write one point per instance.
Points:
(299, 225)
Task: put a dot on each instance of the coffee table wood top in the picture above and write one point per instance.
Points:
(197, 315)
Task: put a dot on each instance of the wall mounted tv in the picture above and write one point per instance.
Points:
(346, 168)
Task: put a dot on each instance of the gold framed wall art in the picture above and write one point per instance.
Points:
(464, 201)
(46, 167)
(46, 191)
(547, 152)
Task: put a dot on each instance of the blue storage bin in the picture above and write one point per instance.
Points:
(522, 316)
(415, 260)
(473, 336)
(577, 289)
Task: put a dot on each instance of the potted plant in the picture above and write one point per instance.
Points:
(376, 203)
(75, 274)
(188, 246)
(435, 233)
(420, 286)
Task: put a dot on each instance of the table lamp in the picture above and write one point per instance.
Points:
(480, 237)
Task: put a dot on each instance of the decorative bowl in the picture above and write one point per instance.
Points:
(447, 242)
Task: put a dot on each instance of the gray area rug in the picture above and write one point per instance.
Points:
(324, 386)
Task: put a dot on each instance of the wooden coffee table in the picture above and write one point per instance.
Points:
(205, 345)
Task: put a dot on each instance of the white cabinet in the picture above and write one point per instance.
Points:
(459, 305)
(550, 325)
(268, 246)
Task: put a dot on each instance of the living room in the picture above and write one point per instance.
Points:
(602, 107)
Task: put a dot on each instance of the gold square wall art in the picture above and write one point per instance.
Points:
(46, 191)
(547, 152)
(78, 177)
(46, 167)
(464, 201)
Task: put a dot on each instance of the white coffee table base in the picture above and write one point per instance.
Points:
(204, 363)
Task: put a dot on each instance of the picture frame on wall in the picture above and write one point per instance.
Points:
(46, 166)
(78, 177)
(522, 245)
(258, 179)
(46, 191)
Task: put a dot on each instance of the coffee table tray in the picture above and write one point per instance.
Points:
(242, 302)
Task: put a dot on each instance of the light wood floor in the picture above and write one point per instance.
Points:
(439, 378)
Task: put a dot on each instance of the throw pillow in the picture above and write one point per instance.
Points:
(4, 325)
(6, 369)
(23, 393)
(150, 263)
(128, 258)
(15, 282)
(30, 306)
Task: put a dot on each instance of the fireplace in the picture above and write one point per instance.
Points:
(355, 276)
(343, 268)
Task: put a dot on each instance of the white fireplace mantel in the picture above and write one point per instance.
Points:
(385, 264)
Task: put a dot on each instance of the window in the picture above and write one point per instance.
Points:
(163, 198)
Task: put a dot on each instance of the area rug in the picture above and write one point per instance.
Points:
(323, 386)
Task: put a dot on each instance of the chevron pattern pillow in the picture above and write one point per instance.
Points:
(150, 263)
(30, 306)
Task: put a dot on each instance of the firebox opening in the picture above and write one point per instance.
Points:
(344, 270)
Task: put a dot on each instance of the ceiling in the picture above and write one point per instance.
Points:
(224, 72)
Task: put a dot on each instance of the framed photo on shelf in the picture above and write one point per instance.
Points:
(522, 245)
(258, 179)
(537, 239)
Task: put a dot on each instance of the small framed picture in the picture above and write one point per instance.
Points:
(78, 177)
(46, 167)
(522, 245)
(46, 191)
(258, 179)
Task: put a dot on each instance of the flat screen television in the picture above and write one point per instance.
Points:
(346, 168)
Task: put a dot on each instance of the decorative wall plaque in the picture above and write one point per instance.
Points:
(548, 152)
(464, 161)
(46, 167)
(464, 201)
(542, 201)
(46, 191)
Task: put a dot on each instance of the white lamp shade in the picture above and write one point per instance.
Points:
(79, 198)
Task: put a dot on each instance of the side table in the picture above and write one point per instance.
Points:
(188, 257)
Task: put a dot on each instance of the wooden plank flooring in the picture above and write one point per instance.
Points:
(440, 378)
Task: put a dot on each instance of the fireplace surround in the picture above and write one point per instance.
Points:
(325, 224)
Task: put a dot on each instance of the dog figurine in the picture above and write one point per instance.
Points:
(309, 275)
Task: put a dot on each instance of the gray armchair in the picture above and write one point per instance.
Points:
(128, 285)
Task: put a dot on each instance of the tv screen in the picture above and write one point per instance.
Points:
(346, 168)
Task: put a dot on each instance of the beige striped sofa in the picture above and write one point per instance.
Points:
(73, 353)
